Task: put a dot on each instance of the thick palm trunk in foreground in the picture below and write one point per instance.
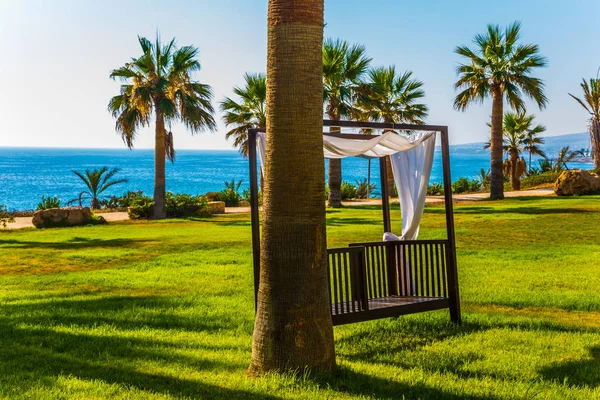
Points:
(159, 167)
(497, 179)
(293, 329)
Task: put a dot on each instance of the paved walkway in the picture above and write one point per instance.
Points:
(25, 222)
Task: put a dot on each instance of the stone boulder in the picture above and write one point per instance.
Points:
(575, 182)
(216, 207)
(68, 216)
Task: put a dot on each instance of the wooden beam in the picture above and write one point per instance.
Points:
(385, 199)
(455, 314)
(254, 211)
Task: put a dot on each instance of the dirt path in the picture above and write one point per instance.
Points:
(25, 222)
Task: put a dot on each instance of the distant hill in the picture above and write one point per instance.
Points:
(576, 141)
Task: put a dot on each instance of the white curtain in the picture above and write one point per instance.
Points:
(261, 146)
(411, 173)
(412, 159)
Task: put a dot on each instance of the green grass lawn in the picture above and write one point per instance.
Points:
(165, 310)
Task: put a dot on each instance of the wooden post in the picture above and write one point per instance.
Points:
(451, 253)
(254, 212)
(385, 199)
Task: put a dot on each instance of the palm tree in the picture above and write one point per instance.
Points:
(343, 68)
(97, 181)
(293, 329)
(393, 98)
(499, 68)
(160, 82)
(591, 104)
(532, 143)
(514, 133)
(247, 113)
(566, 155)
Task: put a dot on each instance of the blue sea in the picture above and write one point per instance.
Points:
(28, 173)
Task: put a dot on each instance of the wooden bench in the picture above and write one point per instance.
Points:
(387, 279)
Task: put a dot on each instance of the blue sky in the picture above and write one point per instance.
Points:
(56, 57)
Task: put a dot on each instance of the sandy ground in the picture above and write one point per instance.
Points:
(25, 222)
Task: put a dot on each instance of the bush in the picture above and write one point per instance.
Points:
(5, 217)
(141, 207)
(185, 205)
(541, 179)
(362, 188)
(465, 185)
(122, 202)
(435, 189)
(231, 195)
(48, 202)
(348, 191)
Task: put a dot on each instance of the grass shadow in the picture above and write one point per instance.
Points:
(579, 373)
(31, 356)
(73, 243)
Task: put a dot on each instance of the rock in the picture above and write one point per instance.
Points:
(244, 203)
(211, 196)
(69, 216)
(576, 182)
(216, 207)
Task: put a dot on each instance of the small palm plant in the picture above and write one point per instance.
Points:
(485, 177)
(96, 181)
(566, 155)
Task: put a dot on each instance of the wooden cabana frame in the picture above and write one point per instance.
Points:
(381, 279)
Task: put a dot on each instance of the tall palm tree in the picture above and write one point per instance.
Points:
(499, 68)
(393, 98)
(160, 82)
(97, 182)
(343, 68)
(249, 112)
(293, 329)
(591, 104)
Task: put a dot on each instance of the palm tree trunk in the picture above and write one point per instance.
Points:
(515, 179)
(529, 169)
(595, 134)
(293, 329)
(390, 175)
(334, 177)
(497, 181)
(159, 166)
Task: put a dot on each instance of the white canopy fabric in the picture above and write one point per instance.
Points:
(412, 159)
(411, 174)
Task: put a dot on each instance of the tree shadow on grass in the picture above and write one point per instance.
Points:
(335, 221)
(404, 344)
(579, 373)
(354, 383)
(483, 210)
(74, 243)
(122, 312)
(30, 356)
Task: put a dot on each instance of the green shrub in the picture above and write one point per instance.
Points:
(541, 179)
(435, 189)
(231, 195)
(122, 202)
(185, 205)
(5, 217)
(348, 191)
(362, 188)
(141, 207)
(465, 185)
(48, 202)
(326, 192)
(92, 220)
